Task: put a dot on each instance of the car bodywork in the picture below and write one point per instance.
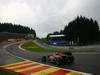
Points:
(59, 58)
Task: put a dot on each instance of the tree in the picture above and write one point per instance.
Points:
(82, 29)
(14, 28)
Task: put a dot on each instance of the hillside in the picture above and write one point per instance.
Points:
(9, 31)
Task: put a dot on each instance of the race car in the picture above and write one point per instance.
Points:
(59, 58)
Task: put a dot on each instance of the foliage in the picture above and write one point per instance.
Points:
(45, 40)
(6, 72)
(82, 29)
(14, 28)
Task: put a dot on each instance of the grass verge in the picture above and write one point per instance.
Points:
(33, 47)
(6, 72)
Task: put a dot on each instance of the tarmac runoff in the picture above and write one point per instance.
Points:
(6, 57)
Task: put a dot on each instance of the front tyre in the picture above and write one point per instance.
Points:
(71, 59)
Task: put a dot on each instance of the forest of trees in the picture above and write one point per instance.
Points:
(81, 30)
(14, 28)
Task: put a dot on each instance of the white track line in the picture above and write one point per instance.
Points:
(21, 47)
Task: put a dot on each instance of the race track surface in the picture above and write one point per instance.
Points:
(5, 56)
(89, 63)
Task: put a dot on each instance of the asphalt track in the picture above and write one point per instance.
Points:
(5, 56)
(89, 63)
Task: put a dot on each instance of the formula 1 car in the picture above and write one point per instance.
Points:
(59, 58)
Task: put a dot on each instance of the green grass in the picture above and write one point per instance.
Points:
(6, 72)
(39, 49)
(30, 43)
(45, 40)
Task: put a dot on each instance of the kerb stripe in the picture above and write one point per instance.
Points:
(45, 72)
(14, 69)
(74, 73)
(17, 64)
(29, 68)
(59, 72)
(35, 70)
